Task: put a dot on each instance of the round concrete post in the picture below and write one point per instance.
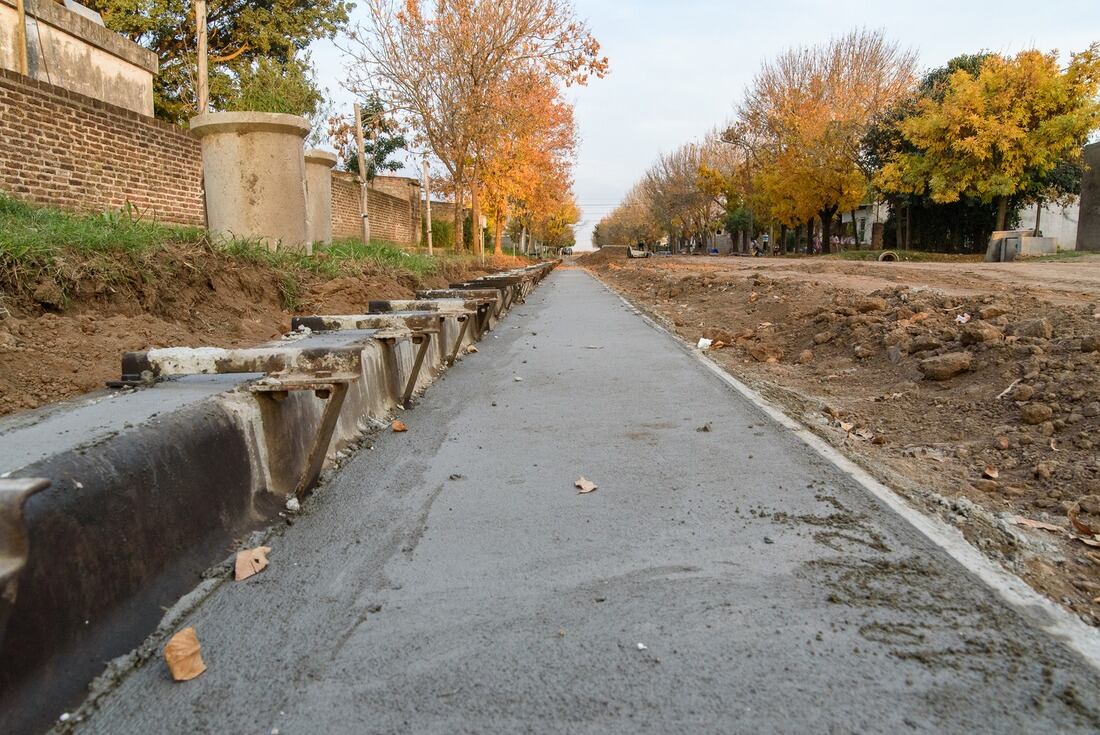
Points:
(253, 167)
(319, 194)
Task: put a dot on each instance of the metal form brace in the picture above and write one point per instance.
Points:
(13, 539)
(326, 385)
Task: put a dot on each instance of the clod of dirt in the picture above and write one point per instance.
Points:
(1040, 328)
(991, 312)
(1022, 393)
(977, 332)
(398, 426)
(1091, 343)
(1036, 413)
(945, 367)
(822, 337)
(805, 357)
(870, 304)
(183, 655)
(925, 343)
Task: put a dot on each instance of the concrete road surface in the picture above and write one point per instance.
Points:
(729, 580)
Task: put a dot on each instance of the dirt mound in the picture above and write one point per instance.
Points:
(988, 398)
(602, 256)
(63, 337)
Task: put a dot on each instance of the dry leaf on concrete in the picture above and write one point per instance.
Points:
(398, 426)
(183, 656)
(470, 349)
(991, 472)
(585, 486)
(250, 561)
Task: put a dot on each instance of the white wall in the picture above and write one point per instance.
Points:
(1056, 222)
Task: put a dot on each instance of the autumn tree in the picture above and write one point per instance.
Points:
(804, 118)
(445, 65)
(245, 37)
(1000, 133)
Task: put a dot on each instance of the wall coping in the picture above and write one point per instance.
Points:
(90, 32)
(212, 123)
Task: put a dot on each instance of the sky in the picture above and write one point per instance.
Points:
(678, 68)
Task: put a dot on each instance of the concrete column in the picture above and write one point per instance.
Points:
(254, 175)
(319, 195)
(1088, 223)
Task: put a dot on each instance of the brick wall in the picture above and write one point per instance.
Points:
(65, 150)
(62, 149)
(391, 218)
(345, 206)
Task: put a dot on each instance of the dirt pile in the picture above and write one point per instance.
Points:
(60, 337)
(991, 397)
(602, 256)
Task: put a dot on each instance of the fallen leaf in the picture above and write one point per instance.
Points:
(865, 434)
(920, 316)
(753, 297)
(398, 426)
(470, 349)
(1030, 523)
(250, 561)
(585, 486)
(991, 472)
(717, 345)
(846, 427)
(183, 655)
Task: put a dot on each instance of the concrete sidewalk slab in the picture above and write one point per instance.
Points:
(723, 578)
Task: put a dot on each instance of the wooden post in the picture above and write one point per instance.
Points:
(202, 81)
(363, 198)
(428, 205)
(21, 62)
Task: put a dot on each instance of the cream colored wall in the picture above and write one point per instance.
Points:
(72, 52)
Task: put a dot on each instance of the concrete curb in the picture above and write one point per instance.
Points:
(140, 509)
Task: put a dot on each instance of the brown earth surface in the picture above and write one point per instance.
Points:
(973, 389)
(53, 348)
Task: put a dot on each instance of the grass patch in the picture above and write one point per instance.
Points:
(910, 256)
(126, 252)
(1060, 255)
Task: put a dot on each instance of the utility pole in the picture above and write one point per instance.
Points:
(21, 38)
(428, 205)
(363, 197)
(202, 83)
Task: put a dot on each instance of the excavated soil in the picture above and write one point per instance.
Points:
(56, 345)
(971, 388)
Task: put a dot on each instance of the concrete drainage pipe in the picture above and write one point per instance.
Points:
(888, 256)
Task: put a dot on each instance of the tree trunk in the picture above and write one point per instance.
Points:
(1002, 212)
(523, 240)
(908, 226)
(475, 217)
(782, 239)
(459, 218)
(1038, 218)
(855, 231)
(498, 235)
(826, 216)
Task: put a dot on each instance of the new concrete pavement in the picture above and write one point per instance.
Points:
(726, 580)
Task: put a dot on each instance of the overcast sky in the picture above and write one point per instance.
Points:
(679, 67)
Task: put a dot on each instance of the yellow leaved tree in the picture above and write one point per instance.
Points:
(997, 134)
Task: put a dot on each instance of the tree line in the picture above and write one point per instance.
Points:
(473, 85)
(952, 153)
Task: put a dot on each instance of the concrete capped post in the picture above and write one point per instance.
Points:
(319, 194)
(1088, 223)
(254, 176)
